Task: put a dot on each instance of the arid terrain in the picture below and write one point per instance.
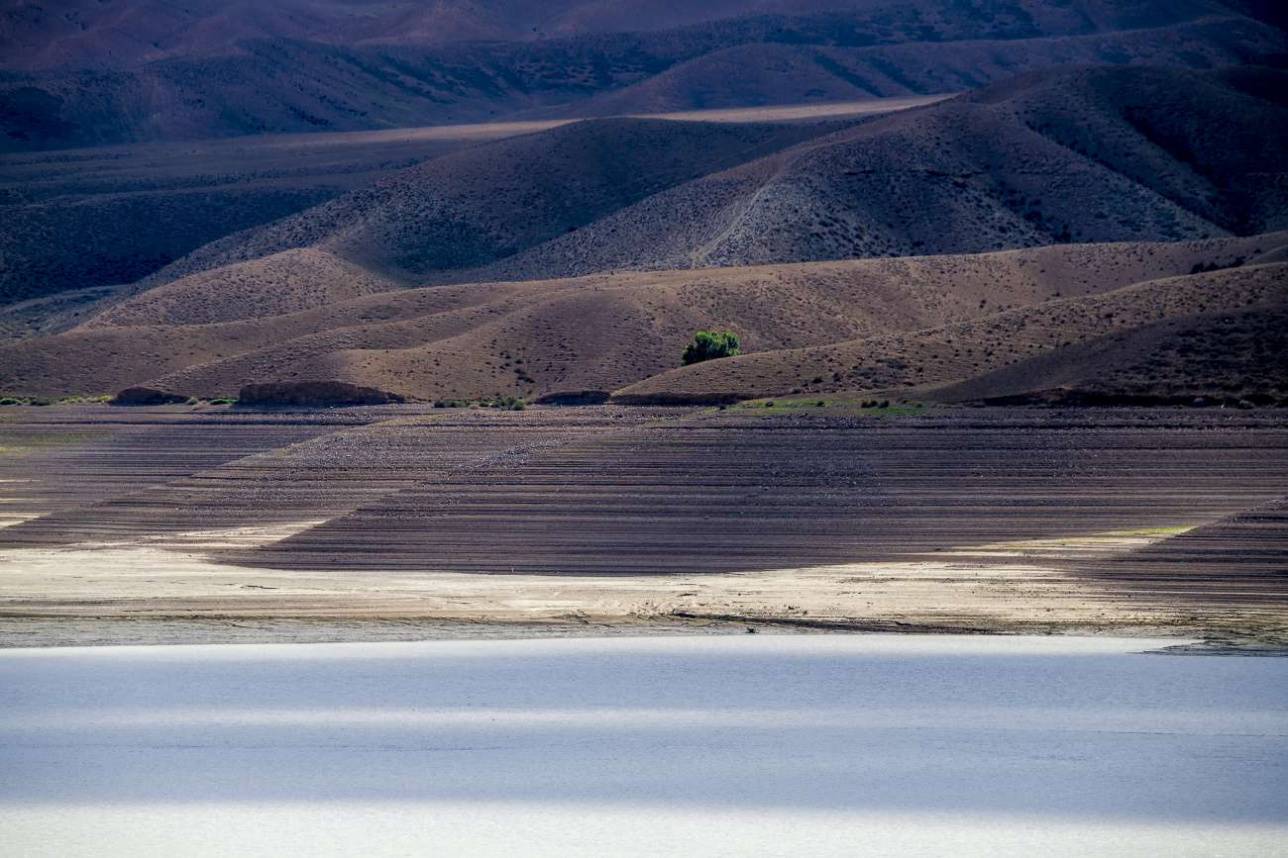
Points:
(79, 225)
(1008, 282)
(643, 427)
(992, 325)
(584, 256)
(82, 72)
(389, 522)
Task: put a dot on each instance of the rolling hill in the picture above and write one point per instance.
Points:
(1096, 208)
(1084, 155)
(102, 217)
(815, 327)
(785, 73)
(1098, 154)
(1207, 334)
(144, 71)
(472, 207)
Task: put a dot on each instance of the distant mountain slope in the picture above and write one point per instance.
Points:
(287, 282)
(1088, 155)
(94, 34)
(97, 34)
(1098, 154)
(212, 72)
(777, 73)
(473, 207)
(1092, 154)
(109, 216)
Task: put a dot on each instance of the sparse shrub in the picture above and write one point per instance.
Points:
(505, 403)
(84, 400)
(710, 345)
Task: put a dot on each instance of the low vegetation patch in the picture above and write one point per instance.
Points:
(13, 399)
(505, 403)
(711, 345)
(499, 402)
(863, 407)
(313, 394)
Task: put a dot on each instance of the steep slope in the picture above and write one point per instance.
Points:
(475, 206)
(1099, 154)
(92, 34)
(1087, 155)
(600, 332)
(109, 239)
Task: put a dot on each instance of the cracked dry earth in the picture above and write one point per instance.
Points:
(211, 523)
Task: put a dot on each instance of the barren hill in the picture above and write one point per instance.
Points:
(1222, 355)
(824, 321)
(1203, 334)
(101, 217)
(473, 207)
(777, 73)
(137, 70)
(276, 285)
(1085, 155)
(93, 34)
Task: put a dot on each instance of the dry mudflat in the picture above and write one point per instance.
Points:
(211, 523)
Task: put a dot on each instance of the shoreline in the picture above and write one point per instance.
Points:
(159, 526)
(59, 632)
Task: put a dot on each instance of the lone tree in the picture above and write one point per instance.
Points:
(709, 345)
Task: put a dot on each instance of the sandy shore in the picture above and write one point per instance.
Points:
(175, 591)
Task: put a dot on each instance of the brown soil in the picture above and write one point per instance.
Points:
(810, 327)
(976, 519)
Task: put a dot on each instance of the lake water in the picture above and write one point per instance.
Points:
(740, 745)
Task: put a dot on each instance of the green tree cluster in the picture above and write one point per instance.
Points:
(709, 345)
